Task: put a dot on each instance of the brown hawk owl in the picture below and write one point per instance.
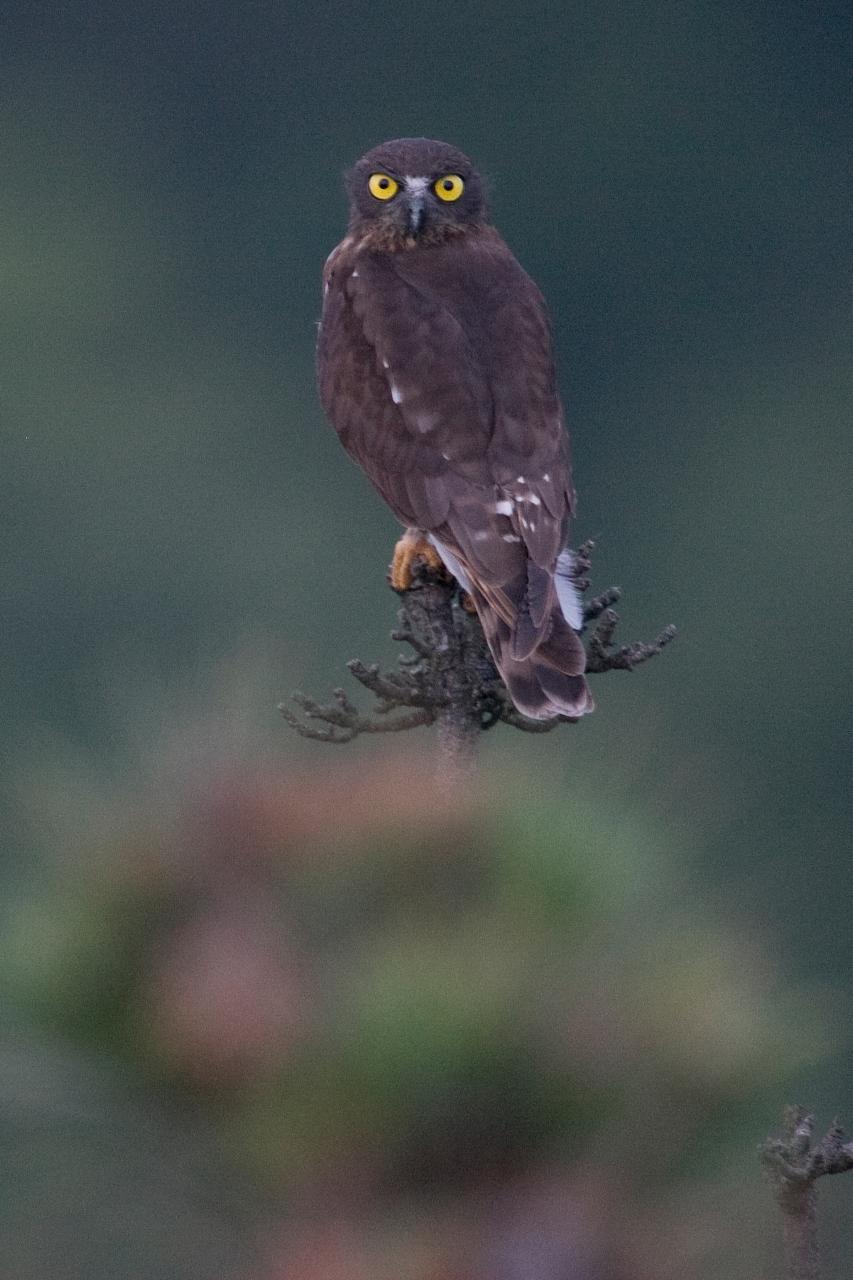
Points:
(436, 369)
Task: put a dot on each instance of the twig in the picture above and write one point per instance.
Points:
(340, 721)
(600, 656)
(449, 679)
(793, 1166)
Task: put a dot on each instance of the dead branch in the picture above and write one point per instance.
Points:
(793, 1165)
(449, 678)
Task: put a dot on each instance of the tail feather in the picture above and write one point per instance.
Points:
(536, 647)
(562, 648)
(550, 681)
(569, 695)
(532, 621)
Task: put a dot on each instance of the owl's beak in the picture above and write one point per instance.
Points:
(416, 202)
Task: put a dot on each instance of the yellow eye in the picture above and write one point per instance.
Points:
(382, 187)
(449, 188)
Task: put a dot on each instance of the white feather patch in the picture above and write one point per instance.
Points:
(451, 563)
(504, 507)
(567, 593)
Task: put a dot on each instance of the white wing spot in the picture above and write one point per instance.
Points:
(481, 535)
(535, 499)
(519, 479)
(396, 393)
(510, 537)
(446, 457)
(546, 476)
(355, 275)
(385, 364)
(504, 507)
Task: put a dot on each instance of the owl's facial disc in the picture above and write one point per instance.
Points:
(414, 191)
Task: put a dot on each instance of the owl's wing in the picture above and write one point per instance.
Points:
(436, 370)
(513, 539)
(401, 386)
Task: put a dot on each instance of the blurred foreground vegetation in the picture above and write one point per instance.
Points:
(297, 1022)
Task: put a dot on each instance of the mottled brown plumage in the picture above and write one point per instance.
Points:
(435, 366)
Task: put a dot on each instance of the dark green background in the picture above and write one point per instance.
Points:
(678, 179)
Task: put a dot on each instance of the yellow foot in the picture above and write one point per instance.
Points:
(411, 547)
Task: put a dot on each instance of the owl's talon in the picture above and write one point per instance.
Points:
(411, 547)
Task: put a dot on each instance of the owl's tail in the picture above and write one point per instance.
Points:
(549, 681)
(540, 658)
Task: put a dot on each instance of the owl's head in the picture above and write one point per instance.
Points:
(414, 191)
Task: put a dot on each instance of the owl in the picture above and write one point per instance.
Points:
(435, 367)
